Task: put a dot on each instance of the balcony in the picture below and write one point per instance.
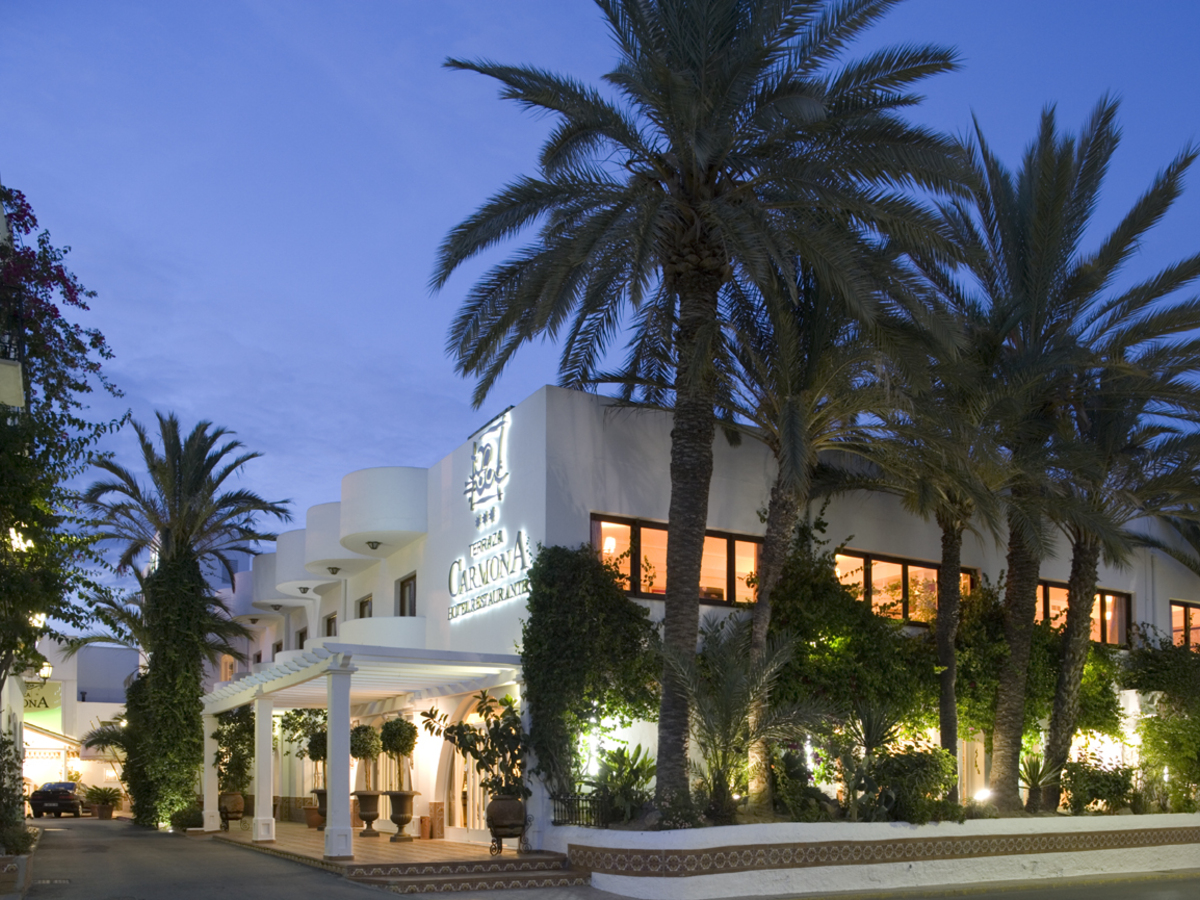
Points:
(323, 551)
(292, 578)
(383, 509)
(267, 596)
(383, 631)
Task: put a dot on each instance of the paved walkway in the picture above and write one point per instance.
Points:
(86, 859)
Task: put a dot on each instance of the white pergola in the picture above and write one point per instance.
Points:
(342, 678)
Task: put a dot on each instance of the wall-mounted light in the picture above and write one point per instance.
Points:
(374, 545)
(45, 671)
(304, 590)
(333, 570)
(277, 606)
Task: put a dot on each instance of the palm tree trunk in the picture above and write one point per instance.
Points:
(691, 473)
(949, 608)
(782, 510)
(1076, 640)
(1020, 601)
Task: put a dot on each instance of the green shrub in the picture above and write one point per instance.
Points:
(234, 758)
(626, 778)
(183, 819)
(912, 784)
(1089, 781)
(16, 839)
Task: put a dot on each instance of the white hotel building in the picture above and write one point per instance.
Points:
(407, 592)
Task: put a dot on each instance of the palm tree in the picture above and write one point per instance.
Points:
(1050, 313)
(937, 452)
(183, 517)
(736, 142)
(1133, 422)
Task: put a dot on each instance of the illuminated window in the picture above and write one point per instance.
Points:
(615, 542)
(228, 667)
(728, 566)
(1185, 624)
(1110, 612)
(331, 625)
(896, 588)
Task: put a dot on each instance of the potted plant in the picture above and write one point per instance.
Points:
(498, 750)
(365, 746)
(103, 800)
(234, 759)
(297, 728)
(318, 749)
(398, 738)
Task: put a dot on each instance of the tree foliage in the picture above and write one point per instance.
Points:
(47, 558)
(589, 655)
(234, 758)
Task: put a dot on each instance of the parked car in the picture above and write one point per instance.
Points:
(56, 797)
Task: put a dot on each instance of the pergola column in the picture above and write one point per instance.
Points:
(212, 815)
(339, 840)
(264, 774)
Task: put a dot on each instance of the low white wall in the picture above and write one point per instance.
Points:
(688, 862)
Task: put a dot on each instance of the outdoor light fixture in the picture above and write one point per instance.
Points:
(277, 606)
(45, 671)
(374, 545)
(254, 621)
(304, 590)
(333, 570)
(983, 795)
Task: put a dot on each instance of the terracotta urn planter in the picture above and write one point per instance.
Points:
(401, 805)
(506, 819)
(313, 817)
(231, 806)
(321, 808)
(103, 811)
(368, 811)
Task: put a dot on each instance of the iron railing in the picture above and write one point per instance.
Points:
(588, 810)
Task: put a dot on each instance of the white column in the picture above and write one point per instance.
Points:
(264, 775)
(339, 840)
(212, 815)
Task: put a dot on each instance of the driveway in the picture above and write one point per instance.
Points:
(86, 859)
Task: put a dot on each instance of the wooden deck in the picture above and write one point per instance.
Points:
(415, 866)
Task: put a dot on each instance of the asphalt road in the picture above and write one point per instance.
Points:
(86, 859)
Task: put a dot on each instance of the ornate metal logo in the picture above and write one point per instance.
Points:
(488, 470)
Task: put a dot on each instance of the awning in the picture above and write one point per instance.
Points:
(381, 677)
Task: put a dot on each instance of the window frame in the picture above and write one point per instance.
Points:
(276, 649)
(1103, 593)
(301, 638)
(636, 525)
(1191, 623)
(904, 562)
(401, 583)
(330, 628)
(258, 658)
(368, 603)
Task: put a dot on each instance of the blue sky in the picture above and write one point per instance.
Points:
(257, 189)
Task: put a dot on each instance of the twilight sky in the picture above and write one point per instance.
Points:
(257, 189)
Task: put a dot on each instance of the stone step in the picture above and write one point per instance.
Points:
(507, 863)
(499, 881)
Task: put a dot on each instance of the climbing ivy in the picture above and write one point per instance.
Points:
(589, 655)
(235, 749)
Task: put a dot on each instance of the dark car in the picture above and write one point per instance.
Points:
(56, 797)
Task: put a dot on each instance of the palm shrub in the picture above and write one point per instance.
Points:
(365, 745)
(736, 138)
(1036, 776)
(103, 796)
(723, 683)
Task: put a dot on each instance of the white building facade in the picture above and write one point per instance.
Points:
(407, 592)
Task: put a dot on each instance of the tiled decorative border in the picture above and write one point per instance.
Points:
(497, 867)
(684, 863)
(338, 868)
(477, 884)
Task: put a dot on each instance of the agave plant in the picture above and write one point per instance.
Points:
(1035, 775)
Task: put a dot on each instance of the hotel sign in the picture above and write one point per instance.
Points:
(43, 696)
(495, 568)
